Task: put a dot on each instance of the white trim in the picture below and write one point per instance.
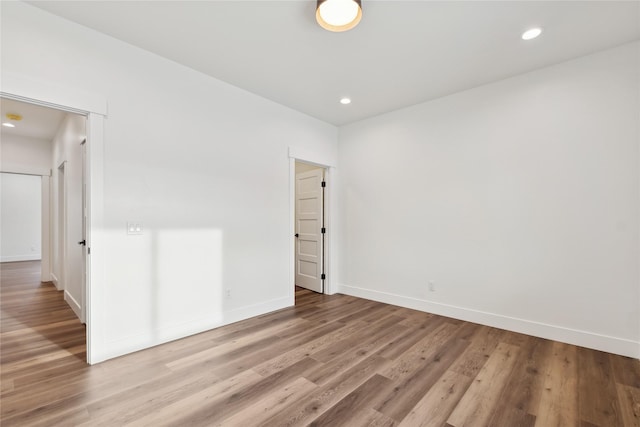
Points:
(18, 258)
(331, 202)
(254, 310)
(26, 89)
(55, 281)
(25, 170)
(95, 276)
(292, 231)
(313, 157)
(61, 224)
(75, 306)
(83, 190)
(45, 234)
(587, 339)
(159, 336)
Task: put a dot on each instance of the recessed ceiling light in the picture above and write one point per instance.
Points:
(345, 101)
(9, 125)
(531, 34)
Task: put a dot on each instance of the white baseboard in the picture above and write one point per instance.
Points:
(17, 258)
(159, 336)
(56, 282)
(254, 310)
(587, 339)
(75, 306)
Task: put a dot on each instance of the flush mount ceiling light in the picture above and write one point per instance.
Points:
(12, 116)
(345, 101)
(338, 15)
(531, 33)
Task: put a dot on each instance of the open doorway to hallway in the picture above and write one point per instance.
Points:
(45, 144)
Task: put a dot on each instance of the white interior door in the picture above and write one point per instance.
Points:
(309, 223)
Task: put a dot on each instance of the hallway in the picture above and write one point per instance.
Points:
(42, 340)
(36, 321)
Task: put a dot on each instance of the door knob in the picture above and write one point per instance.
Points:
(83, 242)
(296, 234)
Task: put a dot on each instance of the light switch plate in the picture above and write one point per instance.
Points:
(134, 227)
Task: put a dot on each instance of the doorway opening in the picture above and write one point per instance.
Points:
(48, 142)
(310, 252)
(92, 107)
(21, 214)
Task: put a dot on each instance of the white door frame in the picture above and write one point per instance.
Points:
(323, 161)
(94, 107)
(45, 238)
(83, 295)
(61, 227)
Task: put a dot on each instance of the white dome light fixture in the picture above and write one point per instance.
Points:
(338, 15)
(531, 34)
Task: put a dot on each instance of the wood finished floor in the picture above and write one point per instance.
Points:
(330, 361)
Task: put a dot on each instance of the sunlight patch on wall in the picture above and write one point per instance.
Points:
(188, 282)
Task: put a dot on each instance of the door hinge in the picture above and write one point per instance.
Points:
(88, 251)
(323, 230)
(323, 276)
(324, 184)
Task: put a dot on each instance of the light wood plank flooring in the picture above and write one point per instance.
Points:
(330, 360)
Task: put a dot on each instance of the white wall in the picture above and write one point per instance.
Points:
(20, 219)
(20, 153)
(202, 164)
(67, 254)
(519, 200)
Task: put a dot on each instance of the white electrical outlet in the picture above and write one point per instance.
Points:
(134, 227)
(228, 293)
(432, 287)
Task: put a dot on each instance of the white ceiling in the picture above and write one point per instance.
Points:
(37, 122)
(402, 53)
